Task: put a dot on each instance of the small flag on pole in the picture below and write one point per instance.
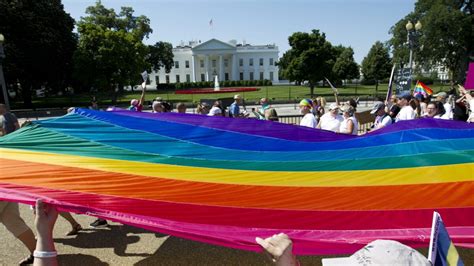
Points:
(145, 76)
(442, 250)
(421, 88)
(332, 87)
(210, 22)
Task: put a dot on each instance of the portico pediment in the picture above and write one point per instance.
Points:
(213, 45)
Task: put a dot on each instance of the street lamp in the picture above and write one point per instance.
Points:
(2, 79)
(413, 32)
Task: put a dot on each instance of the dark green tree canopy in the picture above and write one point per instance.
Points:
(377, 64)
(345, 67)
(110, 51)
(39, 44)
(312, 58)
(160, 55)
(446, 36)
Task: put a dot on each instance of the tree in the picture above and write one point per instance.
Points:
(160, 55)
(111, 53)
(309, 59)
(39, 44)
(377, 64)
(345, 67)
(446, 35)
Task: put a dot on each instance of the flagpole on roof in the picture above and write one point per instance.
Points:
(211, 24)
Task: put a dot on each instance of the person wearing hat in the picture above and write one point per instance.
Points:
(308, 119)
(331, 120)
(234, 109)
(349, 125)
(382, 119)
(406, 111)
(442, 97)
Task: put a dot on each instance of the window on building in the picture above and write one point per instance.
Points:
(226, 76)
(214, 63)
(271, 75)
(177, 78)
(261, 75)
(187, 63)
(157, 78)
(251, 62)
(226, 62)
(167, 79)
(201, 63)
(176, 64)
(188, 78)
(203, 77)
(241, 75)
(271, 61)
(261, 61)
(251, 75)
(241, 62)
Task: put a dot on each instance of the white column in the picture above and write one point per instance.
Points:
(234, 67)
(206, 65)
(193, 61)
(221, 68)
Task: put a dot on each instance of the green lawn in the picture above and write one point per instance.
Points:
(280, 94)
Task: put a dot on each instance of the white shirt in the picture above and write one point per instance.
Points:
(406, 113)
(215, 111)
(344, 127)
(308, 120)
(449, 111)
(444, 117)
(381, 121)
(331, 123)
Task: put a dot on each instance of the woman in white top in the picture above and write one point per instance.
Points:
(308, 119)
(331, 120)
(349, 125)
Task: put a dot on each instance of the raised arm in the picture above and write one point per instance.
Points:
(142, 98)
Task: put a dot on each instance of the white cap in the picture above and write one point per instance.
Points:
(381, 252)
(333, 106)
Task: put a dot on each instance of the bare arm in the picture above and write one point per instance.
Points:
(336, 98)
(142, 98)
(45, 219)
(350, 127)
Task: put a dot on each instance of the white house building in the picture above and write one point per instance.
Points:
(227, 60)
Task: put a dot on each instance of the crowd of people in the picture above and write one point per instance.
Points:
(340, 118)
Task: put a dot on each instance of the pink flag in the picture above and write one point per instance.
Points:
(469, 85)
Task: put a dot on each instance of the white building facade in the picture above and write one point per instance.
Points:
(228, 61)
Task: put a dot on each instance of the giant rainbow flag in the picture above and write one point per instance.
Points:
(225, 181)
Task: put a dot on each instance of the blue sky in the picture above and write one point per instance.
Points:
(355, 23)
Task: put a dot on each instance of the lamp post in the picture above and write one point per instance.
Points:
(413, 32)
(2, 78)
